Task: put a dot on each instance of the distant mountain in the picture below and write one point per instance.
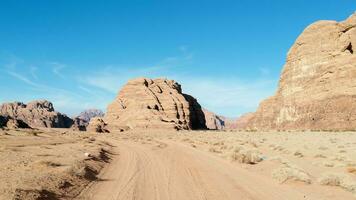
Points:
(90, 113)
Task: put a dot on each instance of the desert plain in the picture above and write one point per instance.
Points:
(161, 164)
(155, 142)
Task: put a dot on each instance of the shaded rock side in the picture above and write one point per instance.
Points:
(3, 121)
(36, 114)
(154, 104)
(317, 87)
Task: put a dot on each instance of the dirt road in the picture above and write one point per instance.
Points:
(169, 170)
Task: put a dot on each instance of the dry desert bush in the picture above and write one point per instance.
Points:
(289, 173)
(340, 180)
(247, 156)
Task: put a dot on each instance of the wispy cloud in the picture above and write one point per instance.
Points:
(24, 79)
(89, 89)
(57, 68)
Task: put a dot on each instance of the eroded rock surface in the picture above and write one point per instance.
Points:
(36, 114)
(154, 104)
(317, 88)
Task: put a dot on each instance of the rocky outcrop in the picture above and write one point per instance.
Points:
(81, 121)
(36, 114)
(154, 104)
(317, 88)
(213, 121)
(98, 125)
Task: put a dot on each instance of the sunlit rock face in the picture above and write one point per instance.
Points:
(36, 114)
(317, 88)
(144, 103)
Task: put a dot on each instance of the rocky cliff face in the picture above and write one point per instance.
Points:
(213, 121)
(317, 88)
(36, 114)
(158, 103)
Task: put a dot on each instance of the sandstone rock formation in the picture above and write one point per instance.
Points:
(81, 121)
(98, 125)
(243, 121)
(159, 104)
(213, 121)
(36, 114)
(317, 88)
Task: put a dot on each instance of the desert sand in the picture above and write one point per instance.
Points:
(62, 164)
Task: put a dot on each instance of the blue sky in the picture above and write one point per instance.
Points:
(77, 54)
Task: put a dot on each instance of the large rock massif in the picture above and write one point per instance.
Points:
(317, 88)
(154, 104)
(35, 114)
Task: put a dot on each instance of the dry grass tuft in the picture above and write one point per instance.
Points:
(288, 173)
(246, 156)
(339, 180)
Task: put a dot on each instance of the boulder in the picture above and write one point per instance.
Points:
(317, 86)
(144, 103)
(36, 114)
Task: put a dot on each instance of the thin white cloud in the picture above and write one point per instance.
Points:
(57, 68)
(24, 79)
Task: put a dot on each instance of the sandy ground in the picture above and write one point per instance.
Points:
(181, 165)
(49, 164)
